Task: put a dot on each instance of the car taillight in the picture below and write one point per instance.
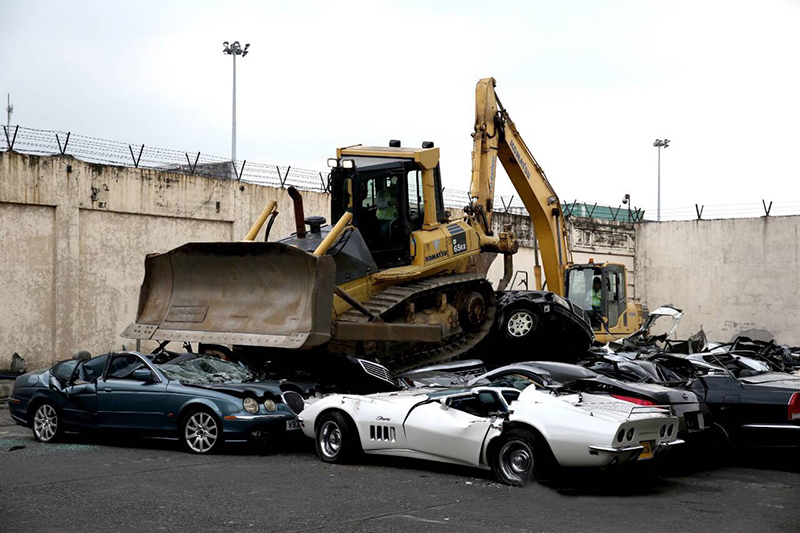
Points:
(794, 406)
(633, 399)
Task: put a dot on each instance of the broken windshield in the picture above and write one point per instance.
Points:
(204, 370)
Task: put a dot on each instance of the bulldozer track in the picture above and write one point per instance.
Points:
(411, 355)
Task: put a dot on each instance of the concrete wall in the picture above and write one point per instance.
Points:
(601, 240)
(73, 237)
(729, 276)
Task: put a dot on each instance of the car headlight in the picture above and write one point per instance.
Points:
(561, 301)
(270, 406)
(250, 405)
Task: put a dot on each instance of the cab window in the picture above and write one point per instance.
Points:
(416, 203)
(481, 404)
(514, 380)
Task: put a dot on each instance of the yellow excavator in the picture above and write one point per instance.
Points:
(394, 279)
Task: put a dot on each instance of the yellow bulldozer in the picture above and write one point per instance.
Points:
(395, 279)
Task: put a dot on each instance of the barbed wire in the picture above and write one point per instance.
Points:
(97, 150)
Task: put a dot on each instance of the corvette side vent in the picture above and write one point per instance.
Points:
(382, 433)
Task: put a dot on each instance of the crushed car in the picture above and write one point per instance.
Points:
(200, 400)
(517, 434)
(753, 406)
(534, 321)
(563, 377)
(751, 387)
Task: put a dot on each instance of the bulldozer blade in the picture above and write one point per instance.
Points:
(254, 294)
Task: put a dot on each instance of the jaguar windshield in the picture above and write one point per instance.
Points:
(203, 370)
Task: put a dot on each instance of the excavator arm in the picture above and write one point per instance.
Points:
(496, 136)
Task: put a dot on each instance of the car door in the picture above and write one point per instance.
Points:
(126, 403)
(81, 406)
(455, 427)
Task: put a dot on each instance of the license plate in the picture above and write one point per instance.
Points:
(291, 425)
(647, 453)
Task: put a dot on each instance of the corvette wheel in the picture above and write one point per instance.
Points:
(520, 323)
(46, 425)
(518, 457)
(337, 440)
(201, 432)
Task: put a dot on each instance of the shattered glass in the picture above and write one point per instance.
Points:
(204, 370)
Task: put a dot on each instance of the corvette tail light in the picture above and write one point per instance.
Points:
(794, 406)
(633, 399)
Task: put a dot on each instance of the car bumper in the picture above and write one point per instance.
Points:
(18, 410)
(612, 456)
(769, 434)
(258, 427)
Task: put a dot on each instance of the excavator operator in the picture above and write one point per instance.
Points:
(386, 202)
(596, 300)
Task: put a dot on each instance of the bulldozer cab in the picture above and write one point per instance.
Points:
(385, 189)
(600, 289)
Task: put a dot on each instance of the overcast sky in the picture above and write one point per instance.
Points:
(590, 84)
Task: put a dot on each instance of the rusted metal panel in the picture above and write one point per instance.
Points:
(379, 331)
(262, 294)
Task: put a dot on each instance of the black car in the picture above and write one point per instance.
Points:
(752, 404)
(687, 407)
(540, 321)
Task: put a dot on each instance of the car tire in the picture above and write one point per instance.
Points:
(46, 423)
(520, 323)
(337, 438)
(201, 432)
(518, 456)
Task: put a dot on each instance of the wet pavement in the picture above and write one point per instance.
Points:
(86, 484)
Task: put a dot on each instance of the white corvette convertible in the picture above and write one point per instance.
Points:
(517, 434)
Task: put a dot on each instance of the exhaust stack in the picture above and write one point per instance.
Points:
(299, 216)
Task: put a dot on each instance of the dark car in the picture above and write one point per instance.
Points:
(689, 409)
(201, 400)
(529, 321)
(757, 407)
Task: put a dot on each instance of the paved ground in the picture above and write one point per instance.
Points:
(150, 485)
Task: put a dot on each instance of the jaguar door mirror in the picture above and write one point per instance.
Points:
(142, 374)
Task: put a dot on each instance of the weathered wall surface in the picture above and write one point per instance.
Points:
(73, 237)
(729, 276)
(601, 240)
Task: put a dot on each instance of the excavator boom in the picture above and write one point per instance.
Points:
(496, 136)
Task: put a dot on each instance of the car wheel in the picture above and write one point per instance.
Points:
(337, 439)
(518, 457)
(201, 432)
(520, 323)
(46, 423)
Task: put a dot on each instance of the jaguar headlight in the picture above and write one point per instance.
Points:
(250, 405)
(270, 406)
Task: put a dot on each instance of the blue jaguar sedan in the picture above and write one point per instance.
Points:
(201, 400)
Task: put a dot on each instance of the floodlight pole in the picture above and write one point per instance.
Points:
(234, 50)
(233, 126)
(9, 110)
(658, 143)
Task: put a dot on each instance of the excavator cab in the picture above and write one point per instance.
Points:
(601, 290)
